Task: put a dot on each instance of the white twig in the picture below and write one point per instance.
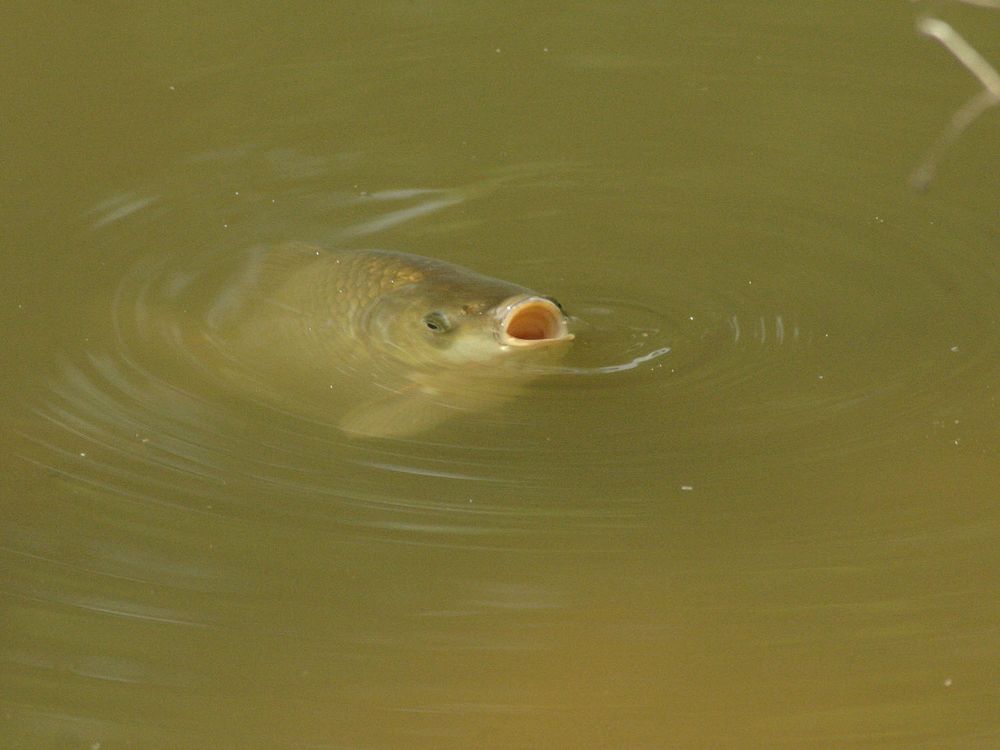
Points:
(976, 64)
(983, 3)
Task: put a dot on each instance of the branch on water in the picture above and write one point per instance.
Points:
(976, 64)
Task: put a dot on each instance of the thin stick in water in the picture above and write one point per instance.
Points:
(976, 64)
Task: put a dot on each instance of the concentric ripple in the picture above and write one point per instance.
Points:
(151, 410)
(185, 504)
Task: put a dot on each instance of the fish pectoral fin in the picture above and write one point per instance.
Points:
(398, 415)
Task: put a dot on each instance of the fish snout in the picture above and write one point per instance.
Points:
(532, 321)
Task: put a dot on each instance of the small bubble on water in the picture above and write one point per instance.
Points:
(687, 487)
(948, 682)
(953, 349)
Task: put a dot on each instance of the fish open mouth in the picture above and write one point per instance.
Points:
(533, 321)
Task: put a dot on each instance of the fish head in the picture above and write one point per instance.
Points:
(455, 327)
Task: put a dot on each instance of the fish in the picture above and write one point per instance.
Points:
(388, 343)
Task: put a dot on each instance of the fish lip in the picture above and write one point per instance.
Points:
(531, 321)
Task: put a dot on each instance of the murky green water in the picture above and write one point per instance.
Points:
(757, 509)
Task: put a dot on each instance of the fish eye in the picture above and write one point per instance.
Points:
(437, 322)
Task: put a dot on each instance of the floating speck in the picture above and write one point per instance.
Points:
(687, 487)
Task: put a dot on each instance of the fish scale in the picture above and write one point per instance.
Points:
(383, 343)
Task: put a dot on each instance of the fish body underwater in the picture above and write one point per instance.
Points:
(387, 344)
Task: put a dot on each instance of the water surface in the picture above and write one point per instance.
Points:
(756, 508)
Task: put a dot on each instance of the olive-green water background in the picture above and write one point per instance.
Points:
(783, 533)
